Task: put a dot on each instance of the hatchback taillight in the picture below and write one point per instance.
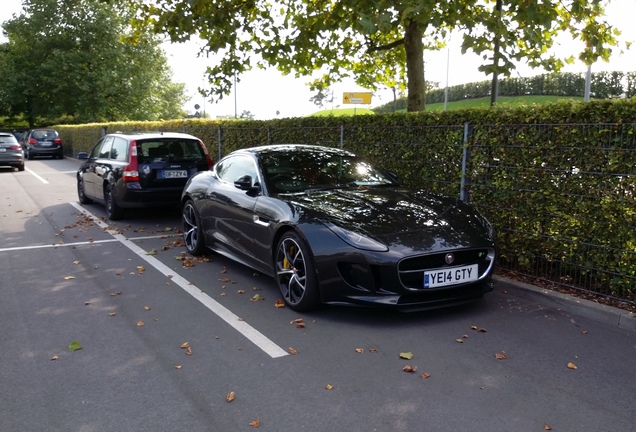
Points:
(208, 159)
(131, 171)
(32, 141)
(14, 147)
(58, 141)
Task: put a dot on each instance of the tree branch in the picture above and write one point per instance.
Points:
(374, 48)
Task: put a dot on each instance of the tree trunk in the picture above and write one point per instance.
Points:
(414, 67)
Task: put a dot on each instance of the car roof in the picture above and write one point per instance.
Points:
(151, 135)
(263, 150)
(6, 134)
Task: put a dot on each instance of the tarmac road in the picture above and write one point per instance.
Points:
(124, 292)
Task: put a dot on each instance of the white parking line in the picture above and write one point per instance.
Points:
(37, 176)
(256, 337)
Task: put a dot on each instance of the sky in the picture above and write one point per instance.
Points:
(267, 94)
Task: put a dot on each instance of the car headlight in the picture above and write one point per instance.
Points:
(357, 240)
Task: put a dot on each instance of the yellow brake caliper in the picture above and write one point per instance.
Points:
(286, 263)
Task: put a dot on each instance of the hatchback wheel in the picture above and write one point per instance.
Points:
(81, 194)
(21, 167)
(192, 232)
(113, 210)
(295, 273)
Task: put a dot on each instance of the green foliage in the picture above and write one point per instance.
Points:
(603, 85)
(379, 43)
(75, 58)
(558, 181)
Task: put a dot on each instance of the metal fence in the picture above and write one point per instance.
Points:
(561, 196)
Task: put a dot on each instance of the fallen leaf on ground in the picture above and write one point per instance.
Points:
(279, 304)
(584, 332)
(112, 313)
(359, 350)
(572, 366)
(185, 345)
(409, 368)
(547, 427)
(482, 330)
(501, 356)
(406, 355)
(189, 351)
(147, 308)
(425, 375)
(373, 350)
(74, 346)
(230, 396)
(152, 252)
(256, 298)
(76, 262)
(69, 277)
(473, 327)
(255, 423)
(54, 358)
(223, 269)
(329, 387)
(292, 351)
(459, 340)
(296, 321)
(177, 366)
(140, 323)
(141, 269)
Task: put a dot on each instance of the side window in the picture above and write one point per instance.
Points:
(119, 151)
(96, 148)
(237, 166)
(103, 151)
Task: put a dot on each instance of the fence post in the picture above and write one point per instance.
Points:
(220, 143)
(463, 193)
(342, 136)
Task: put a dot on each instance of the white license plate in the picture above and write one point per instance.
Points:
(175, 174)
(2, 149)
(450, 276)
(46, 143)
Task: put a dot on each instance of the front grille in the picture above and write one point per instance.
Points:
(411, 270)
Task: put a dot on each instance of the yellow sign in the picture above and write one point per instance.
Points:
(357, 98)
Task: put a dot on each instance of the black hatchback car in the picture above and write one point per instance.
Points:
(139, 170)
(43, 142)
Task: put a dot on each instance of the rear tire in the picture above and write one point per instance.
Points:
(295, 273)
(21, 167)
(192, 230)
(81, 193)
(113, 210)
(29, 156)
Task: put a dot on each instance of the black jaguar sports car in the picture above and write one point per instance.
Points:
(331, 228)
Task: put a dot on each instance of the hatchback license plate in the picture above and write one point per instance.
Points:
(46, 143)
(450, 276)
(175, 174)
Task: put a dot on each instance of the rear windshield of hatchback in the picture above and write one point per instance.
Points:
(166, 150)
(44, 134)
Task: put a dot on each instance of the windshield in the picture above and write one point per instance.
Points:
(299, 170)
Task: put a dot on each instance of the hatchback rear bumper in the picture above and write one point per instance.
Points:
(130, 197)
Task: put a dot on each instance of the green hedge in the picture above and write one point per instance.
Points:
(558, 181)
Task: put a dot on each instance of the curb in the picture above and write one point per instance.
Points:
(605, 314)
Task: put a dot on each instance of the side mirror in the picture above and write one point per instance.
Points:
(245, 183)
(82, 155)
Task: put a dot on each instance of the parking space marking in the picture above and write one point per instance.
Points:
(57, 245)
(36, 176)
(253, 335)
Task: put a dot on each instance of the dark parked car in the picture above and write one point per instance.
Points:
(139, 170)
(331, 228)
(11, 152)
(43, 142)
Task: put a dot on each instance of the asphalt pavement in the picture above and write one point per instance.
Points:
(169, 343)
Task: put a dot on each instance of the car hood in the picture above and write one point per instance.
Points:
(400, 218)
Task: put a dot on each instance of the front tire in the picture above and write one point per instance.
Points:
(295, 273)
(192, 230)
(113, 210)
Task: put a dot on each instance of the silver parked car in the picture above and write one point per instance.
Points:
(11, 153)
